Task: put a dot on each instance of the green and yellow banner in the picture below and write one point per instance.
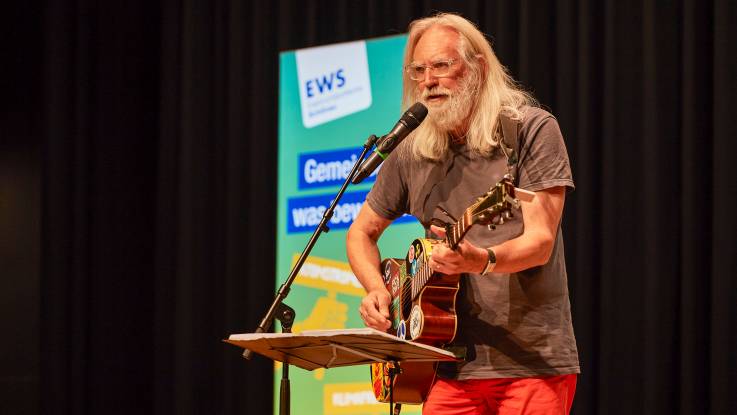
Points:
(331, 98)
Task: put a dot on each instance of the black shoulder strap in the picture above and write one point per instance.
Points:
(509, 140)
(510, 143)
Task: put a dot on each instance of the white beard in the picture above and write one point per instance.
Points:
(448, 115)
(445, 117)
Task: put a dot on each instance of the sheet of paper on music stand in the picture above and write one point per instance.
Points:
(334, 348)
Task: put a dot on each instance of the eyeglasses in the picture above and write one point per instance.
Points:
(438, 69)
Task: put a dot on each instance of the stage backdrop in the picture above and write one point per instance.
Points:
(331, 98)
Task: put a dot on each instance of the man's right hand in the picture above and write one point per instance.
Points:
(374, 309)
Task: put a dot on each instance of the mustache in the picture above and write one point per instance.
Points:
(437, 90)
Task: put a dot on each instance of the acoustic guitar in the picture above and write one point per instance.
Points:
(423, 301)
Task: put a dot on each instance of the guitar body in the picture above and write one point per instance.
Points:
(429, 318)
(410, 386)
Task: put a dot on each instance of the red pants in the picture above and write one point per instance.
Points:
(545, 395)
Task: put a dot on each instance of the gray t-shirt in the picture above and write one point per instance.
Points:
(513, 325)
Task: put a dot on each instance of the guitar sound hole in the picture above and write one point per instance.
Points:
(406, 306)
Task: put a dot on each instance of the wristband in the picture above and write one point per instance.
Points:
(490, 263)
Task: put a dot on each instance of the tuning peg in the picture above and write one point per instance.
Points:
(509, 214)
(501, 220)
(491, 227)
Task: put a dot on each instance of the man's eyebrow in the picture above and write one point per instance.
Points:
(431, 61)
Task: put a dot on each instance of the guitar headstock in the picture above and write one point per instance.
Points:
(494, 206)
(490, 209)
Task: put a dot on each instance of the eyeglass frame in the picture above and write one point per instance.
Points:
(450, 62)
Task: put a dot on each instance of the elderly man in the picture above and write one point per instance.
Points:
(513, 307)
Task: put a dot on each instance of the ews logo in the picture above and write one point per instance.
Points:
(333, 82)
(325, 83)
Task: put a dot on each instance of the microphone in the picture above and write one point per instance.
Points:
(410, 120)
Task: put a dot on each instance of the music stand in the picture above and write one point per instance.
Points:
(337, 348)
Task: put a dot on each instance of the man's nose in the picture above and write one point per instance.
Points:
(430, 80)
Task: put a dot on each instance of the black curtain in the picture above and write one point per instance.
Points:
(157, 165)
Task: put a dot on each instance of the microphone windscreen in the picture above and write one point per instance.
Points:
(415, 115)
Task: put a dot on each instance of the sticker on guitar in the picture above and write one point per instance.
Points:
(402, 330)
(387, 273)
(415, 322)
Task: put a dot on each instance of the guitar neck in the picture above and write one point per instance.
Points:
(457, 231)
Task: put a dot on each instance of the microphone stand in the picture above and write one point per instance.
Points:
(285, 313)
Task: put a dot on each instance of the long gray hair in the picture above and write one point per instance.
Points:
(497, 92)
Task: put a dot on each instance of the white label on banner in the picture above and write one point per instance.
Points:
(333, 82)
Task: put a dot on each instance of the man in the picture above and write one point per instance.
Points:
(513, 307)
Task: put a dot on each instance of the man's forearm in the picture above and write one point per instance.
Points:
(365, 259)
(522, 253)
(534, 246)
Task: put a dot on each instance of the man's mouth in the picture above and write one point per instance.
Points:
(433, 98)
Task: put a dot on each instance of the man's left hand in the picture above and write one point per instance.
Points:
(467, 258)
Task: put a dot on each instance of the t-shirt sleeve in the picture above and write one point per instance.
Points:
(543, 162)
(388, 197)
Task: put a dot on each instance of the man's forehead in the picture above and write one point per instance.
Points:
(438, 42)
